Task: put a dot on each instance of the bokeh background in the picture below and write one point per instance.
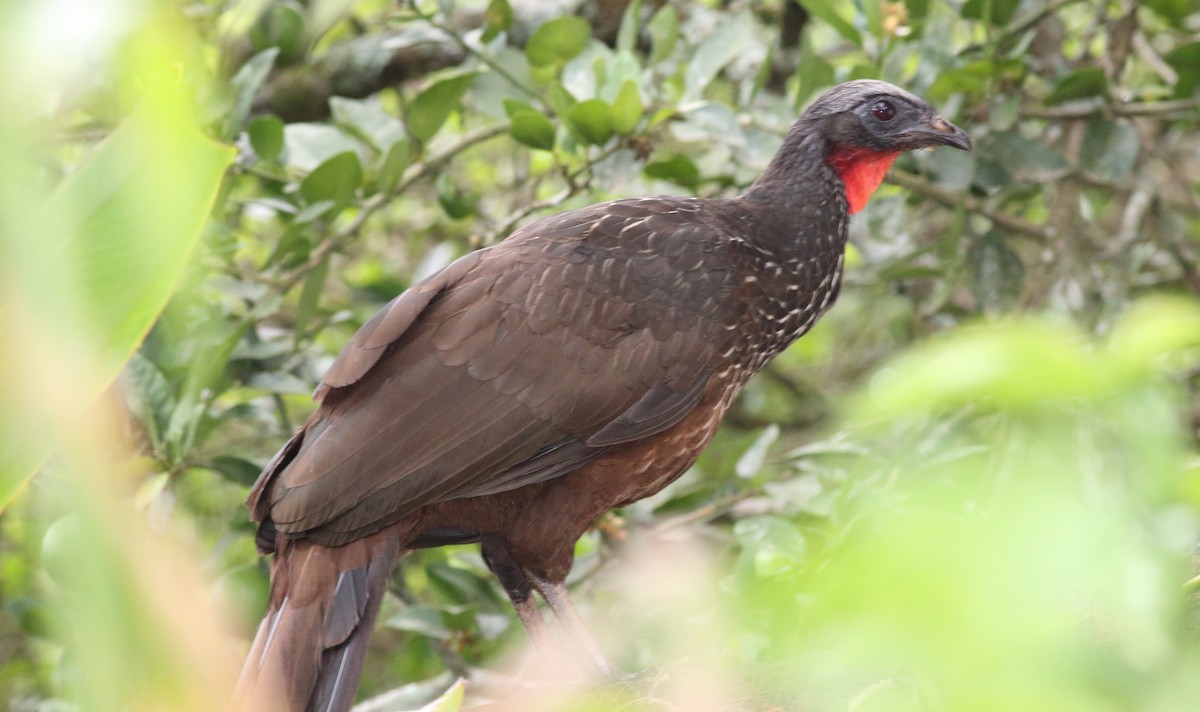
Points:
(974, 487)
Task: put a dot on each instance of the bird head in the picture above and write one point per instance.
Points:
(875, 115)
(867, 124)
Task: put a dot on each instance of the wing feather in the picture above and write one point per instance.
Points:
(516, 364)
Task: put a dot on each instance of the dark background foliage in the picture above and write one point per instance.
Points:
(972, 487)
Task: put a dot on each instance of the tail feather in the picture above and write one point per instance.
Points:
(308, 652)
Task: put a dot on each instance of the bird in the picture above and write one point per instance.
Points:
(529, 387)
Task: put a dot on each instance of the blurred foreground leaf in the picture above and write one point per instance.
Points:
(112, 242)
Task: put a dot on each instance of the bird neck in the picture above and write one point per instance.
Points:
(799, 172)
(861, 171)
(799, 201)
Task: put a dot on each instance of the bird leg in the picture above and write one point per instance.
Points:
(559, 600)
(513, 578)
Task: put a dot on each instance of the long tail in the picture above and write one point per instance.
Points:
(308, 653)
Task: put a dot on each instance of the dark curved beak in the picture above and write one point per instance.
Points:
(939, 132)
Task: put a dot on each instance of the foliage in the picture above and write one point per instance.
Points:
(974, 486)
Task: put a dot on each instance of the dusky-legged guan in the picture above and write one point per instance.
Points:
(526, 389)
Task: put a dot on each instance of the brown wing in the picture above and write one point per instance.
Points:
(516, 364)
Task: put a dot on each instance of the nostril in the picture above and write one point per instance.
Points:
(940, 124)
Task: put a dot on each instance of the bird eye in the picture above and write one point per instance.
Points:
(883, 110)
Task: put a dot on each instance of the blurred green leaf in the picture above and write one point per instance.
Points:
(456, 202)
(751, 461)
(235, 469)
(395, 162)
(627, 34)
(308, 145)
(770, 545)
(533, 129)
(626, 109)
(1015, 365)
(1110, 149)
(1154, 328)
(1176, 11)
(727, 41)
(266, 137)
(423, 620)
(368, 121)
(973, 78)
(336, 180)
(1025, 158)
(827, 11)
(430, 109)
(678, 169)
(664, 33)
(245, 85)
(450, 701)
(280, 28)
(557, 41)
(997, 272)
(1080, 84)
(119, 232)
(1185, 59)
(310, 296)
(996, 12)
(592, 121)
(497, 18)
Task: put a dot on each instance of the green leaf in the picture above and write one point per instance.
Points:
(235, 469)
(422, 620)
(496, 19)
(281, 27)
(430, 109)
(751, 461)
(718, 49)
(827, 11)
(557, 41)
(397, 160)
(626, 109)
(309, 145)
(627, 34)
(368, 121)
(450, 701)
(512, 107)
(996, 12)
(592, 121)
(1026, 158)
(997, 273)
(533, 130)
(108, 248)
(336, 180)
(1185, 59)
(1175, 11)
(245, 84)
(1110, 148)
(1080, 84)
(266, 137)
(664, 33)
(310, 296)
(678, 169)
(457, 202)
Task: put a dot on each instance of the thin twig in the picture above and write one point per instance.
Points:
(1083, 110)
(1165, 71)
(700, 514)
(920, 185)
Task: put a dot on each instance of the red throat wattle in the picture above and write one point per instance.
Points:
(861, 171)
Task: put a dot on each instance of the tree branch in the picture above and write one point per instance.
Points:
(920, 185)
(1083, 110)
